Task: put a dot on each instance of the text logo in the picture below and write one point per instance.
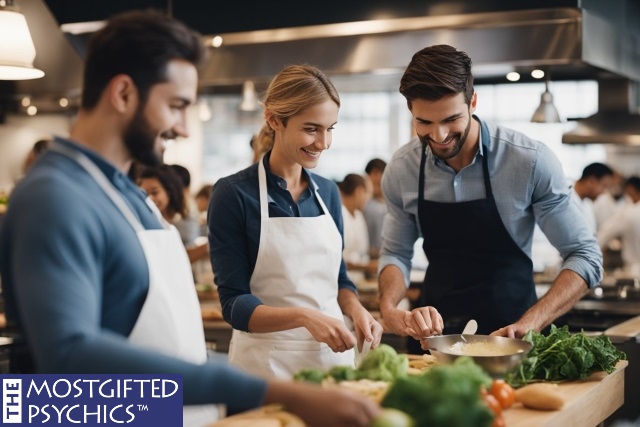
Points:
(11, 401)
(92, 400)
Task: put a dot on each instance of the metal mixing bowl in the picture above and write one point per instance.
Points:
(497, 366)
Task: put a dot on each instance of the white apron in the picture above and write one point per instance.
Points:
(297, 266)
(170, 320)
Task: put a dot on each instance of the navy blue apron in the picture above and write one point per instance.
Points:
(476, 270)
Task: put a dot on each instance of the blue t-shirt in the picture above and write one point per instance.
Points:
(75, 277)
(234, 231)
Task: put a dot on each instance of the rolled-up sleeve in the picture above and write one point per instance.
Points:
(561, 220)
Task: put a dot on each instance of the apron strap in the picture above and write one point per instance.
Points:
(485, 163)
(102, 181)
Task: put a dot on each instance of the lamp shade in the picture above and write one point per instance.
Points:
(249, 97)
(17, 51)
(546, 111)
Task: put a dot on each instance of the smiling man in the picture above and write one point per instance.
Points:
(474, 191)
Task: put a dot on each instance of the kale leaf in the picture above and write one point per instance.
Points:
(562, 355)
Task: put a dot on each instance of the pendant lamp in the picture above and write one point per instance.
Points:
(17, 51)
(249, 97)
(546, 111)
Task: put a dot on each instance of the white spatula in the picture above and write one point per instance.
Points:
(470, 328)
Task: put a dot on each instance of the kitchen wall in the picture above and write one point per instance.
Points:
(20, 132)
(17, 136)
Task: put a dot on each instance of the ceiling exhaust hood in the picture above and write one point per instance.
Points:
(586, 42)
(617, 120)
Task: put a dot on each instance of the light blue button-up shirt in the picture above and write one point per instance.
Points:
(528, 184)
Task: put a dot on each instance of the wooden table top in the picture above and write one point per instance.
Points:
(587, 403)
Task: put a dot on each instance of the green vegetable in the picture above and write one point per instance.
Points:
(343, 373)
(383, 363)
(309, 375)
(444, 396)
(565, 356)
(393, 418)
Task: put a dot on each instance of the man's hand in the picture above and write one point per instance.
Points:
(320, 407)
(418, 323)
(367, 328)
(515, 330)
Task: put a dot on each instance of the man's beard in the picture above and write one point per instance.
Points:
(140, 140)
(457, 146)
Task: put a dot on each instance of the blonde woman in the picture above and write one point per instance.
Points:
(275, 232)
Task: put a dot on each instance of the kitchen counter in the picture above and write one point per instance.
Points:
(587, 403)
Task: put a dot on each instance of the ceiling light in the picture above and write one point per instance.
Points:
(537, 74)
(32, 110)
(63, 102)
(17, 51)
(204, 111)
(546, 111)
(216, 41)
(26, 101)
(513, 76)
(249, 97)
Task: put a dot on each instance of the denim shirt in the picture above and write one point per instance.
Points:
(529, 186)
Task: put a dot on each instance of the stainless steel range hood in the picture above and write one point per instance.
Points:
(574, 43)
(617, 120)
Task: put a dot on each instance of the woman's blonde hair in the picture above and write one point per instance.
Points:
(292, 90)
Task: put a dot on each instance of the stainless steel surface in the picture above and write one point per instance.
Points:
(617, 120)
(545, 37)
(497, 366)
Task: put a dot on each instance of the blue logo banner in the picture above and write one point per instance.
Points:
(92, 400)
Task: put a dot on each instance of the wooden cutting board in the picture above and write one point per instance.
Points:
(629, 328)
(266, 416)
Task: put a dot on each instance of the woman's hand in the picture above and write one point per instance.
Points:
(367, 328)
(330, 331)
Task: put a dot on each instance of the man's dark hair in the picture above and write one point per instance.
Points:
(437, 71)
(350, 183)
(375, 164)
(633, 181)
(596, 170)
(139, 44)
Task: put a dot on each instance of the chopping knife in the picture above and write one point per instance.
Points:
(366, 346)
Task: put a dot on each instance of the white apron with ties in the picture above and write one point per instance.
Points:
(297, 266)
(170, 321)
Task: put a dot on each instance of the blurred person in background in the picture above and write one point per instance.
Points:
(165, 189)
(93, 280)
(185, 177)
(595, 180)
(202, 204)
(275, 232)
(611, 201)
(625, 225)
(36, 151)
(376, 207)
(355, 191)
